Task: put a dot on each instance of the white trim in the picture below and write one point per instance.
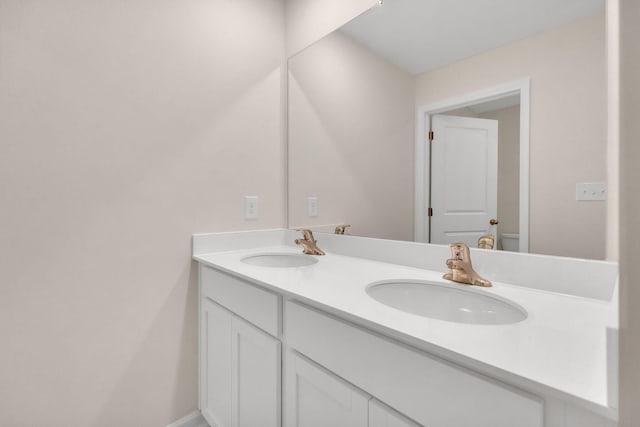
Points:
(423, 122)
(194, 419)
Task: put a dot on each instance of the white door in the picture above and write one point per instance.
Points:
(314, 397)
(464, 178)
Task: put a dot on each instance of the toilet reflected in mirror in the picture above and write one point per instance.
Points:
(510, 241)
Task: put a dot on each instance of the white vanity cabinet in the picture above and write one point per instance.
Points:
(269, 360)
(240, 364)
(429, 390)
(215, 364)
(382, 416)
(314, 397)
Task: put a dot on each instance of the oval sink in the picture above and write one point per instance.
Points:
(279, 260)
(446, 302)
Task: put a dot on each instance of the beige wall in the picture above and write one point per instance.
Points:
(629, 212)
(568, 126)
(508, 167)
(124, 128)
(362, 175)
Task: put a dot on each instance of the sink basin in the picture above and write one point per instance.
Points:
(280, 260)
(446, 302)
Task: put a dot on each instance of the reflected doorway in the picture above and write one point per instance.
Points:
(458, 195)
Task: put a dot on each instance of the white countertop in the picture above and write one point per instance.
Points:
(560, 348)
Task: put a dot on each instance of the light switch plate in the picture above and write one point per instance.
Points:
(591, 191)
(250, 207)
(312, 206)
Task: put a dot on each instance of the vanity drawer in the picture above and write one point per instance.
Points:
(423, 387)
(254, 304)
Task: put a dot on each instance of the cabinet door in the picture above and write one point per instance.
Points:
(256, 376)
(215, 364)
(316, 398)
(240, 371)
(381, 415)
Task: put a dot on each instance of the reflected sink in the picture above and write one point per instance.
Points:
(280, 260)
(446, 302)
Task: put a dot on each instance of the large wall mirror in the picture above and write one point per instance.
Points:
(429, 120)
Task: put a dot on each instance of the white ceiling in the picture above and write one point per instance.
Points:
(421, 35)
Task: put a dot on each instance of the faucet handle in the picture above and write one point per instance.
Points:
(308, 234)
(341, 228)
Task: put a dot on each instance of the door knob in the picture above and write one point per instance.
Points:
(493, 221)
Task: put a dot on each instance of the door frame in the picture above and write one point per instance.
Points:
(423, 125)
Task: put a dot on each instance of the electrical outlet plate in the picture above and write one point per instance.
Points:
(312, 206)
(591, 191)
(250, 207)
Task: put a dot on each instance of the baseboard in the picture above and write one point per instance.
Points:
(193, 419)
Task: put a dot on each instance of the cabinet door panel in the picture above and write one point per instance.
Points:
(426, 388)
(215, 361)
(316, 398)
(255, 364)
(382, 416)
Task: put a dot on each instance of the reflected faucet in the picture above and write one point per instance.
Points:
(460, 268)
(341, 228)
(308, 243)
(486, 242)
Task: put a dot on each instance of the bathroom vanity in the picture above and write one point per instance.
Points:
(297, 340)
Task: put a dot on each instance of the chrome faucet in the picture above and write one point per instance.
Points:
(460, 268)
(308, 243)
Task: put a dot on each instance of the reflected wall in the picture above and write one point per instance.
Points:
(567, 67)
(351, 133)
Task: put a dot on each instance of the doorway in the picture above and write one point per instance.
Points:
(468, 221)
(463, 173)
